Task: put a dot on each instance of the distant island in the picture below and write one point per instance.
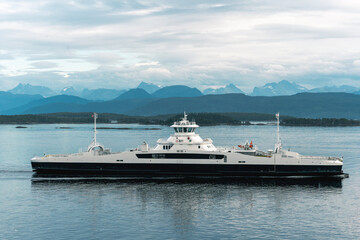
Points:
(203, 119)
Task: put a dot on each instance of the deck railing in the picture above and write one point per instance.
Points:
(323, 158)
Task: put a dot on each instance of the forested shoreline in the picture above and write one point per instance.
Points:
(203, 119)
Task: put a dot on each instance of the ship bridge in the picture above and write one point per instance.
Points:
(185, 138)
(184, 126)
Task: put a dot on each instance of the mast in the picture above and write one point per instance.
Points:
(95, 117)
(278, 143)
(94, 144)
(278, 127)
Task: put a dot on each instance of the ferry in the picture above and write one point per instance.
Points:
(185, 153)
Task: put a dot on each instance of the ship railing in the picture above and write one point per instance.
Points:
(189, 123)
(76, 154)
(57, 155)
(224, 149)
(207, 140)
(132, 149)
(323, 158)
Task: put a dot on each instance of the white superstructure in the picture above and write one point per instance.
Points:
(185, 139)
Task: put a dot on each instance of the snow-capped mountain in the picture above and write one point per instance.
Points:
(69, 91)
(32, 90)
(278, 89)
(230, 88)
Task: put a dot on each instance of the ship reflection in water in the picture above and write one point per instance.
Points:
(318, 182)
(184, 204)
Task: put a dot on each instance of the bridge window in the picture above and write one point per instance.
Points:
(181, 156)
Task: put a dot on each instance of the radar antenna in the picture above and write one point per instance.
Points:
(185, 116)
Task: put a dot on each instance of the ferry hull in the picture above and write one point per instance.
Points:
(143, 169)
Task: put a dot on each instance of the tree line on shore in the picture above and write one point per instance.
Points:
(321, 122)
(201, 119)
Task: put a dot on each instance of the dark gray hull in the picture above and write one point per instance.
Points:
(154, 169)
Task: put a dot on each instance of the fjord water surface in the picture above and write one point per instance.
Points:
(108, 208)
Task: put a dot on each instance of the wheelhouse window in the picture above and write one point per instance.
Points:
(181, 156)
(184, 129)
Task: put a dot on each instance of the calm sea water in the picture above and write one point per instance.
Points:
(80, 208)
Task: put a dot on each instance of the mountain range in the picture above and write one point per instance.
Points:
(306, 105)
(140, 103)
(282, 88)
(294, 100)
(27, 104)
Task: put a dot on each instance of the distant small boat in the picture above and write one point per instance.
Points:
(185, 153)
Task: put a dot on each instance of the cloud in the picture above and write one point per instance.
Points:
(159, 73)
(356, 63)
(142, 12)
(4, 55)
(44, 64)
(59, 54)
(141, 64)
(247, 43)
(274, 69)
(104, 58)
(330, 67)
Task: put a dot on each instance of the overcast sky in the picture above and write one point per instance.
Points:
(118, 44)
